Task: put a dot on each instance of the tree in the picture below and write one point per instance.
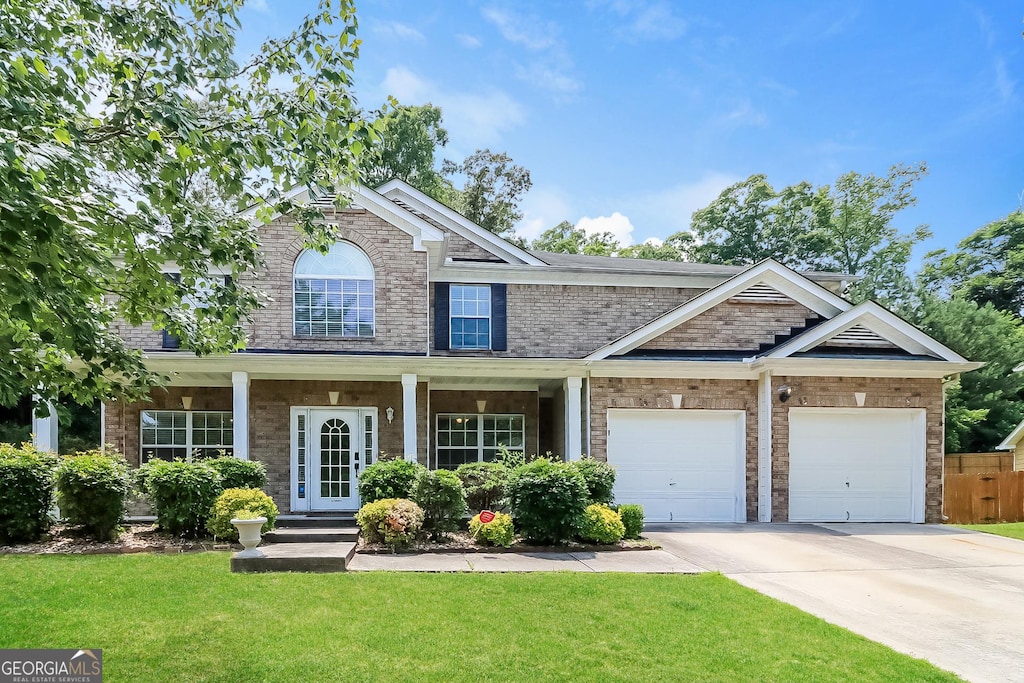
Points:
(678, 246)
(132, 137)
(493, 189)
(410, 138)
(988, 403)
(565, 238)
(987, 267)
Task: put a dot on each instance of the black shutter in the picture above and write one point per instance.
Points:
(171, 341)
(441, 322)
(499, 326)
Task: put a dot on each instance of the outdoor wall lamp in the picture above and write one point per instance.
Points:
(785, 391)
(186, 402)
(333, 396)
(390, 412)
(677, 401)
(481, 406)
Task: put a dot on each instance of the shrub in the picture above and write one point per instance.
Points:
(92, 490)
(632, 519)
(235, 500)
(513, 459)
(393, 521)
(239, 474)
(182, 493)
(26, 492)
(547, 500)
(499, 531)
(599, 478)
(484, 483)
(440, 494)
(601, 524)
(388, 479)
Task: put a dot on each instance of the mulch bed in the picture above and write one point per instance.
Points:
(462, 542)
(136, 538)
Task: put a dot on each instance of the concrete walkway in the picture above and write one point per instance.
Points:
(948, 595)
(637, 561)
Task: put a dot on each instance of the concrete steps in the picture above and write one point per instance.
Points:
(297, 557)
(312, 535)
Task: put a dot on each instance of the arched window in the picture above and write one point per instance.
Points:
(334, 293)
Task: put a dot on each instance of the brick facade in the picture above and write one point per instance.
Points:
(460, 248)
(524, 403)
(733, 324)
(838, 392)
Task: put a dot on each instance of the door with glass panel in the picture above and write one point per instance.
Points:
(335, 443)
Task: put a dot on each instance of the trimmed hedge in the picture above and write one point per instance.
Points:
(92, 490)
(632, 519)
(499, 531)
(440, 494)
(484, 483)
(599, 478)
(239, 474)
(547, 500)
(182, 493)
(388, 479)
(234, 500)
(26, 492)
(601, 524)
(393, 521)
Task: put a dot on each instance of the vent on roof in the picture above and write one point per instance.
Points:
(858, 335)
(762, 293)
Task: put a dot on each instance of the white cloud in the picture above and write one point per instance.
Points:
(552, 69)
(654, 241)
(548, 78)
(473, 119)
(638, 20)
(543, 208)
(617, 224)
(472, 42)
(397, 30)
(745, 114)
(258, 6)
(668, 210)
(1004, 84)
(527, 31)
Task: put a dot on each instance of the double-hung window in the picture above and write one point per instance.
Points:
(476, 438)
(185, 434)
(470, 314)
(333, 293)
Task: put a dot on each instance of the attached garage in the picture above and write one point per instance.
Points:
(856, 465)
(681, 465)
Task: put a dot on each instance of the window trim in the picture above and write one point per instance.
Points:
(479, 432)
(189, 446)
(489, 318)
(327, 277)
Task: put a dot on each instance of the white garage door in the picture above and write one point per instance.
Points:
(856, 465)
(681, 465)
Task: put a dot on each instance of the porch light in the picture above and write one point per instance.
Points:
(859, 396)
(481, 406)
(390, 412)
(186, 402)
(785, 391)
(333, 395)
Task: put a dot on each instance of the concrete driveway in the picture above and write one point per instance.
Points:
(953, 597)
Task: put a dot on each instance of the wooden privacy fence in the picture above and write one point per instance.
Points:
(975, 463)
(984, 498)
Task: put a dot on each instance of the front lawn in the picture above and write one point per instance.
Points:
(1009, 529)
(185, 617)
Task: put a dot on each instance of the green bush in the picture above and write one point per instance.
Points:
(239, 474)
(182, 493)
(632, 519)
(92, 490)
(484, 483)
(440, 494)
(601, 524)
(499, 531)
(599, 478)
(26, 492)
(547, 500)
(388, 479)
(234, 500)
(393, 521)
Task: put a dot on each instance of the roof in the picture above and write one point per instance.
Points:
(1010, 442)
(634, 265)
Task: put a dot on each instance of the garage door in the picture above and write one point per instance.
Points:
(858, 465)
(682, 466)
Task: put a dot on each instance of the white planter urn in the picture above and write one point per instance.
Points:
(249, 533)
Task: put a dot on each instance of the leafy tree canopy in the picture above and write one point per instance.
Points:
(410, 138)
(565, 238)
(132, 135)
(492, 191)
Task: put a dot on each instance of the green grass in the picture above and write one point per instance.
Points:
(186, 617)
(1009, 529)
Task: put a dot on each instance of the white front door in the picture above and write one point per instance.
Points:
(330, 446)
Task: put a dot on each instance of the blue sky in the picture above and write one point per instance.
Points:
(631, 114)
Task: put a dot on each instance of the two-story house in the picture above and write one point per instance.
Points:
(719, 393)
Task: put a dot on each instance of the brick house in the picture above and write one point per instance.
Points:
(720, 393)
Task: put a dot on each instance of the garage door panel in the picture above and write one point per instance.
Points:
(680, 465)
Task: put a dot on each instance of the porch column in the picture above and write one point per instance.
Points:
(764, 446)
(240, 413)
(409, 417)
(573, 418)
(44, 429)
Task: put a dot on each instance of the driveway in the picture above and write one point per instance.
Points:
(953, 597)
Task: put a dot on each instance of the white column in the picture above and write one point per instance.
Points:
(573, 418)
(409, 417)
(764, 446)
(44, 429)
(240, 413)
